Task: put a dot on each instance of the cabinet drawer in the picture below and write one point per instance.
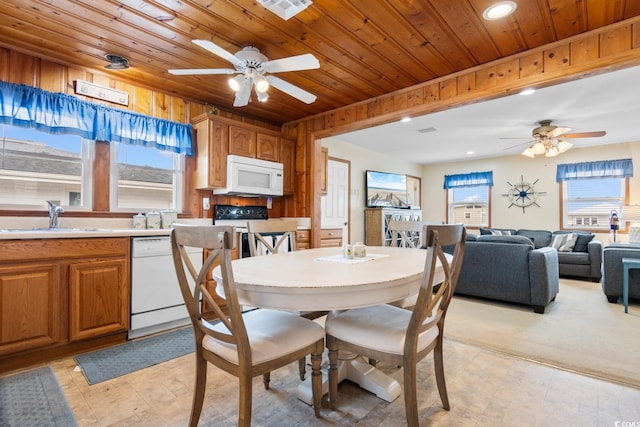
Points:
(302, 236)
(330, 237)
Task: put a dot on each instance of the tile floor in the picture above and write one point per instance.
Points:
(485, 389)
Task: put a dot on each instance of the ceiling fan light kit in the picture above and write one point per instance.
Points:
(550, 139)
(252, 69)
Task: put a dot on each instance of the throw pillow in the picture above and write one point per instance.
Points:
(564, 242)
(583, 242)
(501, 232)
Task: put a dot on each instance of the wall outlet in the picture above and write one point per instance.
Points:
(206, 204)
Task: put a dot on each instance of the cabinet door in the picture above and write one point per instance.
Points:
(212, 146)
(268, 147)
(288, 159)
(30, 313)
(242, 141)
(98, 297)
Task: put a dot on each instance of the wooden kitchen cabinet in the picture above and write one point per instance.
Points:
(55, 293)
(330, 237)
(212, 147)
(242, 141)
(302, 239)
(288, 159)
(216, 137)
(30, 306)
(268, 147)
(98, 298)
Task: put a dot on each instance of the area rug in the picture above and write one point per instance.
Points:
(579, 331)
(112, 362)
(34, 398)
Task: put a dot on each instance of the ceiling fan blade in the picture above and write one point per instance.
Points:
(222, 53)
(585, 134)
(293, 63)
(292, 90)
(243, 94)
(201, 71)
(554, 133)
(518, 145)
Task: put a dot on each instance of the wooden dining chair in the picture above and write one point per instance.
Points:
(405, 234)
(398, 336)
(243, 344)
(262, 242)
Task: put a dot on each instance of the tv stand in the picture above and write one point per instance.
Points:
(376, 223)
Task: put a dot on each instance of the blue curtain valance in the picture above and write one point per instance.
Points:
(58, 113)
(602, 169)
(468, 179)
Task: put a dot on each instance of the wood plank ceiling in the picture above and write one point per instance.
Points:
(366, 48)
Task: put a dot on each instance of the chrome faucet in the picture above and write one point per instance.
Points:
(54, 210)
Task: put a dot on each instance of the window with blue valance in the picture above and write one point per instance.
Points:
(58, 113)
(468, 179)
(622, 168)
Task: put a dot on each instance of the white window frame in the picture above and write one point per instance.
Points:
(484, 216)
(587, 219)
(178, 180)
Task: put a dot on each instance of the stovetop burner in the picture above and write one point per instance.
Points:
(231, 212)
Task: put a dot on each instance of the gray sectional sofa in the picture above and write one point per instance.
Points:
(582, 261)
(612, 271)
(509, 268)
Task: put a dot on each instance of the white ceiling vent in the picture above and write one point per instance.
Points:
(427, 130)
(285, 9)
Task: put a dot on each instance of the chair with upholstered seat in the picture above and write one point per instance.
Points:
(243, 344)
(402, 337)
(405, 234)
(272, 237)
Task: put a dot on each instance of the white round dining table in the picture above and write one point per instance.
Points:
(321, 279)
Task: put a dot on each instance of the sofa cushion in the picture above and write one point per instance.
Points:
(541, 238)
(564, 242)
(516, 240)
(576, 258)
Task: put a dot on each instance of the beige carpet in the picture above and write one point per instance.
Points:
(579, 331)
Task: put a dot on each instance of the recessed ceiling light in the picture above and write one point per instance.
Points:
(499, 10)
(470, 152)
(527, 91)
(405, 119)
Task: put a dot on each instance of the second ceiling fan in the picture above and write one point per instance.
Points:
(550, 140)
(253, 69)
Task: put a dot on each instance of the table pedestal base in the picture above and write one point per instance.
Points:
(355, 369)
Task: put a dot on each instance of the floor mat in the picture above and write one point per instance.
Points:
(112, 362)
(34, 398)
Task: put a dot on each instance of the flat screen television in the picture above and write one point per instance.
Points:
(386, 189)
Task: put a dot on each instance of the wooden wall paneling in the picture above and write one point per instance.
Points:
(486, 78)
(447, 89)
(557, 59)
(531, 65)
(465, 83)
(74, 74)
(430, 93)
(52, 76)
(635, 34)
(584, 50)
(508, 72)
(101, 177)
(161, 105)
(5, 55)
(22, 69)
(615, 41)
(179, 110)
(142, 101)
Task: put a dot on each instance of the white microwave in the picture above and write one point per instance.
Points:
(247, 176)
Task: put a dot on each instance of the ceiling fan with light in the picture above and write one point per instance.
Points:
(551, 140)
(252, 69)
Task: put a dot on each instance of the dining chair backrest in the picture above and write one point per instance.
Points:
(406, 234)
(218, 242)
(431, 306)
(272, 236)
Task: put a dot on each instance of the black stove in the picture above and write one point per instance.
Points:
(227, 213)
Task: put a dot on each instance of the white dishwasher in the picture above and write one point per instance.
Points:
(156, 301)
